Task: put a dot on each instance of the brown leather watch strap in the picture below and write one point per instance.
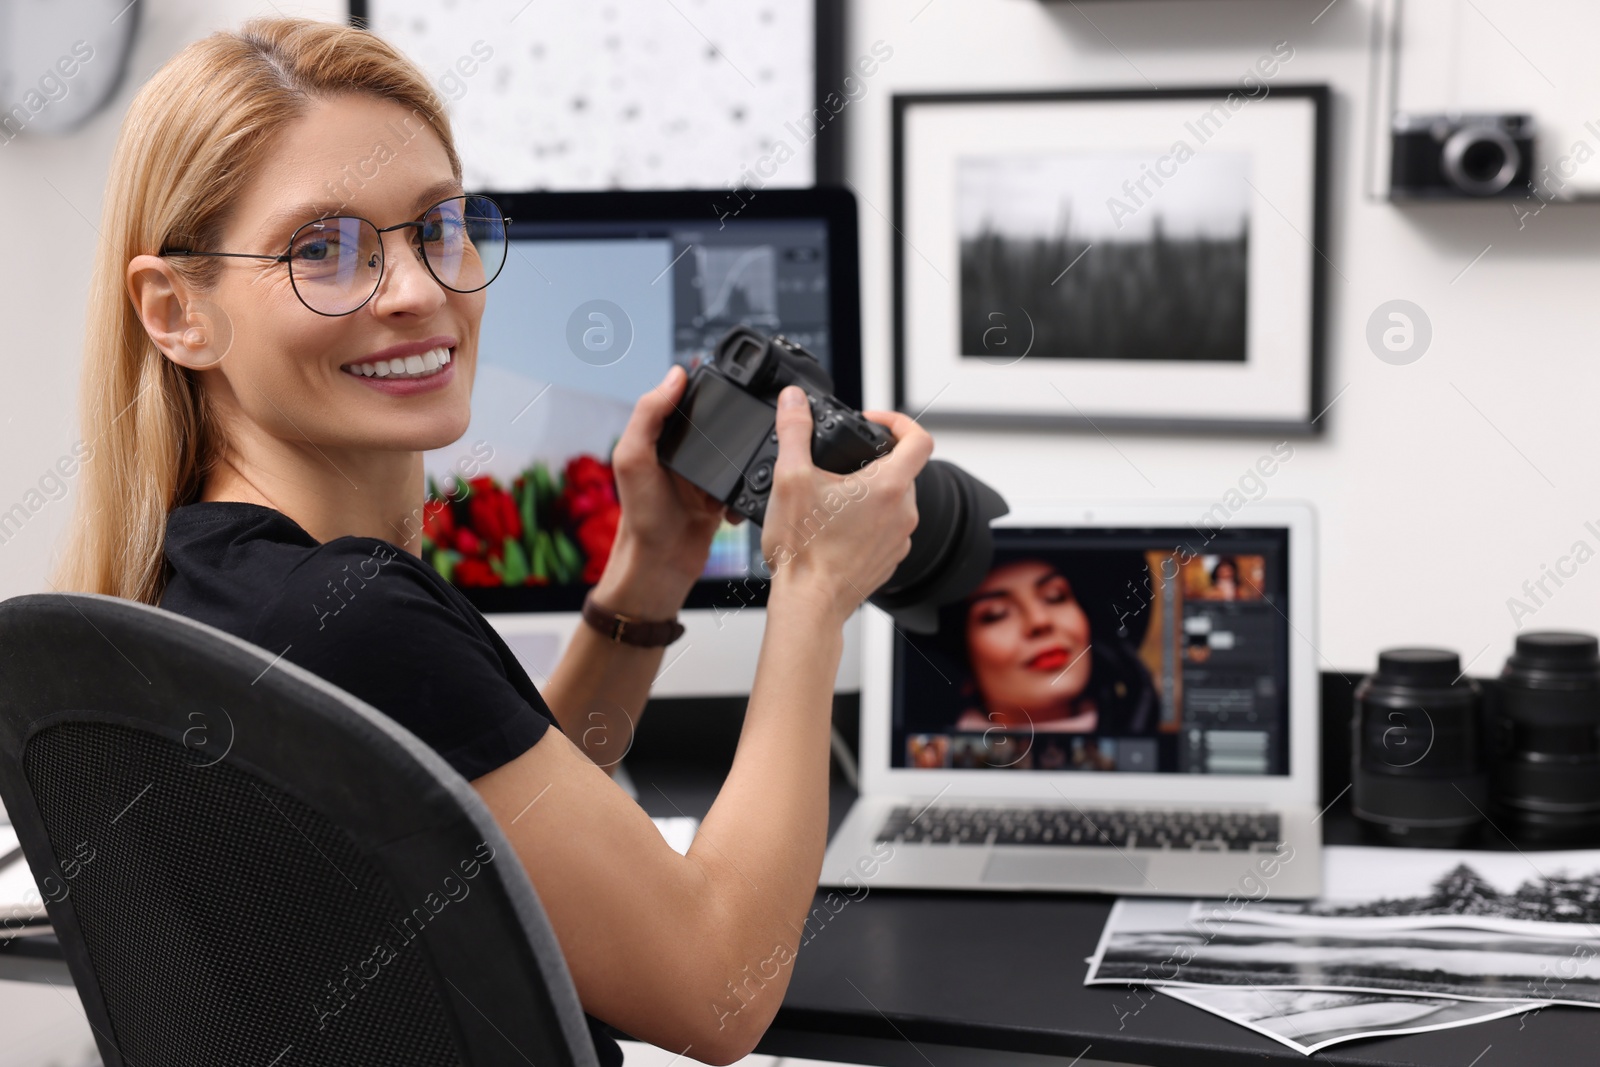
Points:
(627, 630)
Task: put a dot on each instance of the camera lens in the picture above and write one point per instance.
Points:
(1545, 714)
(951, 548)
(1418, 776)
(1480, 160)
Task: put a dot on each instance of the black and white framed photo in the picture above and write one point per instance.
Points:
(1122, 259)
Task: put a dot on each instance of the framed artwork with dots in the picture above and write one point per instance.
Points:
(1149, 261)
(677, 94)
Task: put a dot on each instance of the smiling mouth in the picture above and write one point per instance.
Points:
(424, 366)
(1051, 659)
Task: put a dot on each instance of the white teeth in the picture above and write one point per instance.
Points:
(409, 367)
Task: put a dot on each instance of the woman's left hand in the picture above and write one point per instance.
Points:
(665, 531)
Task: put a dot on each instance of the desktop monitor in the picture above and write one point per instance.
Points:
(601, 292)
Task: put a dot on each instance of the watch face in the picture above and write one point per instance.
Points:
(60, 62)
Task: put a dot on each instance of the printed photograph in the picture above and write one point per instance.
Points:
(1310, 1020)
(1543, 893)
(1157, 942)
(1059, 256)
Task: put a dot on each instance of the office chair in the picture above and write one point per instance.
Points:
(246, 865)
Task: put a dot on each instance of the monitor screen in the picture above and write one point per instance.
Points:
(600, 294)
(1143, 650)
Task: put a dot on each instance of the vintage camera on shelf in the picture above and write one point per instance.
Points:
(723, 439)
(1445, 157)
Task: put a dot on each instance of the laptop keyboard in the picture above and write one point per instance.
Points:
(1142, 828)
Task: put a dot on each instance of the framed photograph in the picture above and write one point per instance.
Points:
(1146, 260)
(717, 94)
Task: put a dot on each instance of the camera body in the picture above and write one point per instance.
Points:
(723, 436)
(1449, 156)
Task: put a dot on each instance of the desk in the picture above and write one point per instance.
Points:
(911, 978)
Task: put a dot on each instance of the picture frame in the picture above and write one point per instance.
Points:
(1142, 260)
(728, 96)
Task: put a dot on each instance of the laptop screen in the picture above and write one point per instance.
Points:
(1094, 649)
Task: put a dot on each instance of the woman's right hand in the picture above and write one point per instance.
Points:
(835, 538)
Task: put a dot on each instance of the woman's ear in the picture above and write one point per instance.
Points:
(188, 329)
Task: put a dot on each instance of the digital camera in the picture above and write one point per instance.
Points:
(723, 438)
(1460, 156)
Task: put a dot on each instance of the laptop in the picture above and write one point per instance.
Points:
(1126, 704)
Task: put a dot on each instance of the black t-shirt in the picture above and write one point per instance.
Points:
(370, 618)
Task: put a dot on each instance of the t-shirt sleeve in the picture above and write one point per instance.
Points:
(365, 620)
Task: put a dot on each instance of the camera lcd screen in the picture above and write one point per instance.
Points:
(1147, 651)
(724, 428)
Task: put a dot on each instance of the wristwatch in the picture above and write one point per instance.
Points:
(627, 630)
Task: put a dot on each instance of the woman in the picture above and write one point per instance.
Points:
(244, 465)
(1049, 653)
(1225, 579)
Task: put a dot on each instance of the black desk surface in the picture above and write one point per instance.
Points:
(909, 978)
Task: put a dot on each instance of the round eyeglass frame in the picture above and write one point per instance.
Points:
(383, 261)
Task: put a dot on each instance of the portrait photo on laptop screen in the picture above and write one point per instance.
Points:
(1149, 651)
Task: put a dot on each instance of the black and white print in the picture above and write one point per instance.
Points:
(1163, 276)
(1541, 893)
(1311, 1020)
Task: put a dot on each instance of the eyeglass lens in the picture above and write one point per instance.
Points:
(336, 263)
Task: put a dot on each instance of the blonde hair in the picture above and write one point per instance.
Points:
(192, 140)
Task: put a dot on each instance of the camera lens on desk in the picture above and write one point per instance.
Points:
(1545, 717)
(1418, 773)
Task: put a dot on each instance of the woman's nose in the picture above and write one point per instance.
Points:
(407, 284)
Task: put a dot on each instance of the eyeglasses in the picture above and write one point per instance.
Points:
(336, 263)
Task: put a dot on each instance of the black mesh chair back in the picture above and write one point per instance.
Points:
(246, 865)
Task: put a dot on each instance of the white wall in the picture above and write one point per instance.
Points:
(1440, 486)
